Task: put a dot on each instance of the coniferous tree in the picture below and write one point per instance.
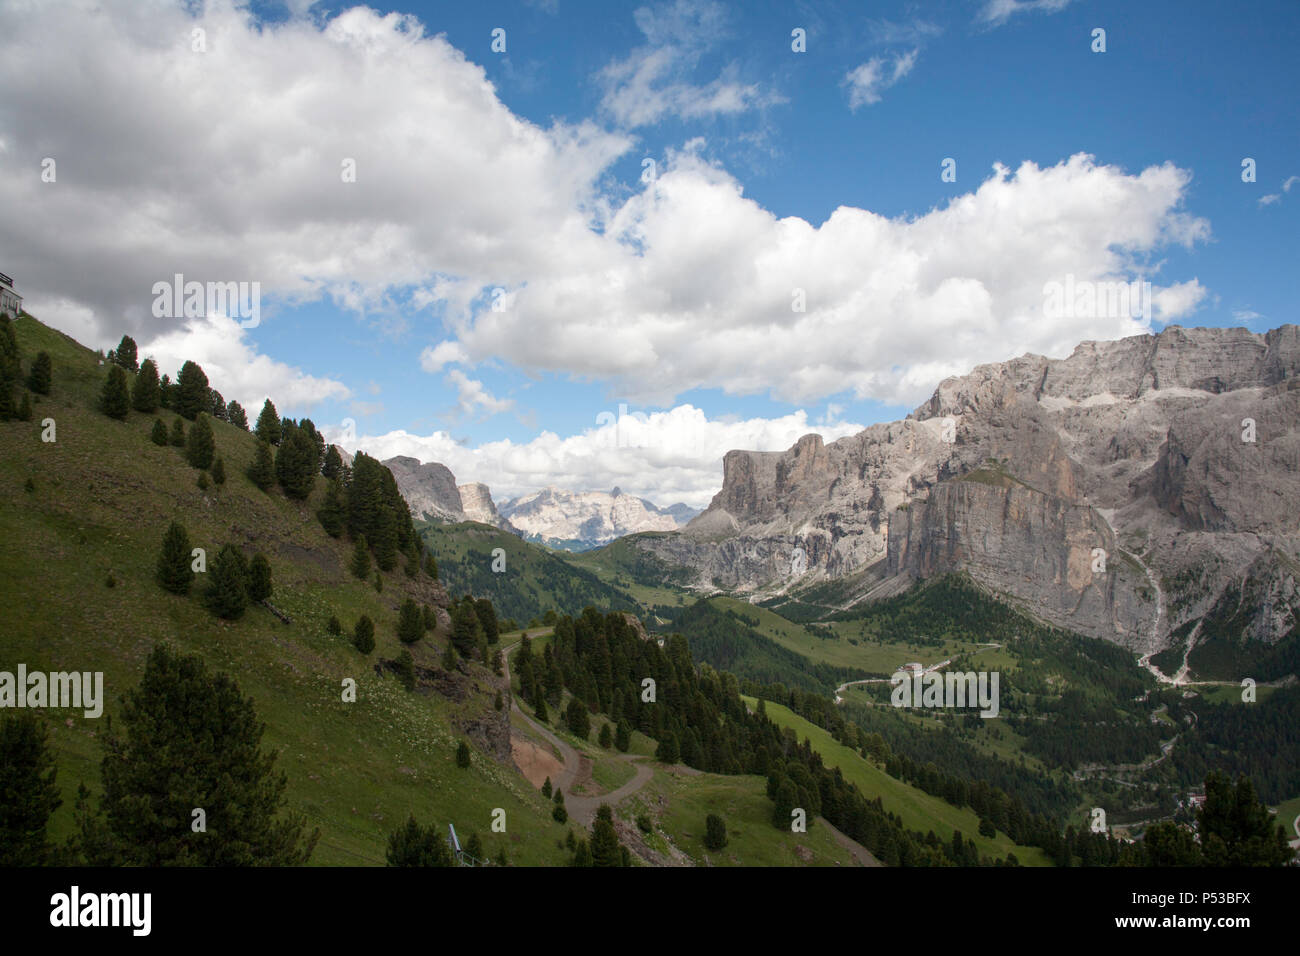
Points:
(604, 839)
(582, 855)
(448, 658)
(192, 391)
(268, 424)
(217, 404)
(539, 706)
(430, 566)
(227, 593)
(199, 445)
(165, 388)
(578, 718)
(622, 737)
(178, 433)
(606, 738)
(332, 511)
(385, 540)
(363, 635)
(259, 579)
(114, 400)
(410, 623)
(406, 669)
(145, 390)
(295, 463)
(715, 832)
(30, 794)
(262, 471)
(1236, 828)
(236, 415)
(203, 480)
(125, 354)
(546, 788)
(560, 815)
(175, 573)
(38, 379)
(487, 616)
(219, 472)
(465, 628)
(334, 627)
(462, 755)
(333, 465)
(668, 751)
(192, 739)
(360, 564)
(414, 845)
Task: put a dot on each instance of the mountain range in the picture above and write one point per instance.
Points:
(1133, 492)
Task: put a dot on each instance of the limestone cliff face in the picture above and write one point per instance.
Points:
(476, 501)
(1016, 472)
(429, 489)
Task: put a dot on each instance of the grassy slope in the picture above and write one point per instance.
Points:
(919, 810)
(103, 496)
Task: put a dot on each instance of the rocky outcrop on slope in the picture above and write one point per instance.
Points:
(1016, 472)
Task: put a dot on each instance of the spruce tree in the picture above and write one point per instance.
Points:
(606, 738)
(199, 445)
(219, 472)
(604, 838)
(623, 736)
(410, 623)
(165, 388)
(715, 832)
(462, 755)
(217, 405)
(145, 389)
(259, 579)
(360, 564)
(174, 570)
(268, 424)
(363, 635)
(236, 415)
(227, 593)
(430, 566)
(578, 718)
(38, 379)
(333, 464)
(406, 669)
(487, 616)
(449, 658)
(262, 471)
(333, 510)
(295, 463)
(414, 845)
(192, 391)
(178, 433)
(546, 788)
(125, 355)
(334, 627)
(114, 400)
(189, 739)
(465, 628)
(667, 751)
(385, 540)
(29, 791)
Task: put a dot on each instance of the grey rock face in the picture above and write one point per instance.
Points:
(430, 489)
(1019, 471)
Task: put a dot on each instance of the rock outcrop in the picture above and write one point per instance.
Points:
(588, 519)
(1131, 455)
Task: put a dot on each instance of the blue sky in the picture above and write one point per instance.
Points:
(653, 296)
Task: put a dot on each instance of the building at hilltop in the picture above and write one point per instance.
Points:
(11, 303)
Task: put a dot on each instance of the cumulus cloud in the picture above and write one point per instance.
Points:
(644, 87)
(667, 457)
(236, 369)
(868, 81)
(473, 398)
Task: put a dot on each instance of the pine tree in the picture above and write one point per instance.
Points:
(410, 623)
(174, 570)
(360, 564)
(114, 400)
(414, 845)
(38, 379)
(333, 465)
(259, 579)
(165, 389)
(623, 736)
(193, 740)
(465, 628)
(295, 463)
(487, 616)
(578, 718)
(363, 635)
(406, 669)
(668, 751)
(334, 627)
(192, 391)
(178, 433)
(203, 480)
(430, 618)
(332, 510)
(604, 839)
(546, 788)
(715, 832)
(199, 445)
(385, 540)
(561, 815)
(268, 424)
(227, 593)
(262, 471)
(217, 404)
(27, 781)
(606, 738)
(430, 566)
(236, 415)
(539, 705)
(125, 355)
(448, 658)
(462, 755)
(219, 472)
(475, 846)
(145, 390)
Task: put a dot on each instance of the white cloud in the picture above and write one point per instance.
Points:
(433, 359)
(868, 81)
(472, 398)
(663, 456)
(1246, 315)
(1270, 199)
(997, 12)
(236, 369)
(644, 87)
(1290, 181)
